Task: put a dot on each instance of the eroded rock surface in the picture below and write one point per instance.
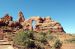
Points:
(5, 20)
(21, 17)
(41, 24)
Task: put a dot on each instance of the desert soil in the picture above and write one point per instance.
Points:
(6, 47)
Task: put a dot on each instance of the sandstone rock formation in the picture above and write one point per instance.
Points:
(5, 20)
(41, 24)
(14, 24)
(21, 17)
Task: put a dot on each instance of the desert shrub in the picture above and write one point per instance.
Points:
(57, 44)
(49, 32)
(31, 44)
(39, 45)
(24, 38)
(43, 34)
(42, 37)
(31, 39)
(43, 40)
(71, 40)
(51, 37)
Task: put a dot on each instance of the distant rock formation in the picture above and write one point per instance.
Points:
(21, 17)
(5, 20)
(42, 24)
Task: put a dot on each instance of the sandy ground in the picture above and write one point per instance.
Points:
(68, 46)
(6, 47)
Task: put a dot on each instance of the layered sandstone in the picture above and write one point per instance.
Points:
(5, 20)
(41, 24)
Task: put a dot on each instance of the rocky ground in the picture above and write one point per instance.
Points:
(68, 46)
(4, 44)
(6, 47)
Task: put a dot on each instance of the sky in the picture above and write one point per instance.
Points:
(62, 11)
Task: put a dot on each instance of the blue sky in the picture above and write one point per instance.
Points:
(62, 11)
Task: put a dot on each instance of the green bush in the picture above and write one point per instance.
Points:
(71, 40)
(42, 37)
(31, 39)
(57, 44)
(24, 38)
